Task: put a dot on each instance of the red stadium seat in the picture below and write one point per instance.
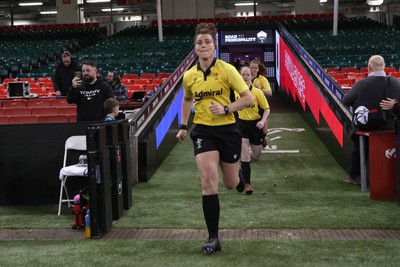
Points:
(126, 82)
(395, 74)
(355, 77)
(27, 79)
(151, 87)
(38, 103)
(14, 103)
(34, 86)
(130, 76)
(336, 76)
(345, 71)
(142, 81)
(44, 79)
(23, 119)
(38, 91)
(135, 87)
(14, 111)
(53, 118)
(7, 80)
(4, 120)
(163, 75)
(70, 110)
(344, 83)
(48, 85)
(72, 118)
(148, 76)
(59, 102)
(390, 69)
(364, 70)
(44, 111)
(157, 82)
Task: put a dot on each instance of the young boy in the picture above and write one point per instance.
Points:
(111, 107)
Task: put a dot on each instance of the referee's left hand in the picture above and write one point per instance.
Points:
(217, 109)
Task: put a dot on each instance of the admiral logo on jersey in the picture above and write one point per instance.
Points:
(200, 95)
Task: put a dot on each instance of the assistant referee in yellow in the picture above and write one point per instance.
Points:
(216, 136)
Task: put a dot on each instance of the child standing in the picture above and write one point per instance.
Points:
(111, 107)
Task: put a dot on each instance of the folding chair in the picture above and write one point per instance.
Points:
(76, 143)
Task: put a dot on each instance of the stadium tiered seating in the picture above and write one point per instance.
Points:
(26, 49)
(353, 45)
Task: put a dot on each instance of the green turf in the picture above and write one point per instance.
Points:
(295, 191)
(187, 253)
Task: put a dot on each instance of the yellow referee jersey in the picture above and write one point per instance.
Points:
(214, 87)
(253, 112)
(260, 80)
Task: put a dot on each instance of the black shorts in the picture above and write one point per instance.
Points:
(250, 131)
(226, 139)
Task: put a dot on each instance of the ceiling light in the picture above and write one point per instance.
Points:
(323, 1)
(31, 4)
(374, 2)
(97, 1)
(50, 12)
(112, 9)
(245, 4)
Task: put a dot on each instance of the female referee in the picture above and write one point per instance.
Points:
(258, 73)
(216, 136)
(251, 126)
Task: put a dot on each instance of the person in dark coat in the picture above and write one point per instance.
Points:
(66, 70)
(89, 94)
(368, 92)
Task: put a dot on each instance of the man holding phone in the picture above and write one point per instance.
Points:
(66, 70)
(89, 94)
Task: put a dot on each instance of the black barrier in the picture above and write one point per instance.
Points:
(31, 156)
(116, 170)
(124, 142)
(106, 174)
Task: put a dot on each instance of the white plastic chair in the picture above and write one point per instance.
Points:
(77, 143)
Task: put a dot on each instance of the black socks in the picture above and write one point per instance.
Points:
(211, 214)
(246, 171)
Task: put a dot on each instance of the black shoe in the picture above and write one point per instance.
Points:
(211, 246)
(240, 186)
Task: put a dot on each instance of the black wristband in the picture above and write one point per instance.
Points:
(226, 109)
(183, 127)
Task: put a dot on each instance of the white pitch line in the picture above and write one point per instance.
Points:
(280, 151)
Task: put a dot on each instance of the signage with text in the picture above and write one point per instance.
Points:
(295, 81)
(249, 37)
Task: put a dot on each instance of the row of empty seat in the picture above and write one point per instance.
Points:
(38, 102)
(346, 77)
(52, 118)
(10, 111)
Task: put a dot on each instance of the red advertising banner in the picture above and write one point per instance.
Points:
(66, 2)
(129, 2)
(294, 80)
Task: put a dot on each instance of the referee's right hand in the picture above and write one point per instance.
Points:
(181, 135)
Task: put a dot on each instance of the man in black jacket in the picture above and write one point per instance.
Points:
(89, 94)
(65, 72)
(369, 92)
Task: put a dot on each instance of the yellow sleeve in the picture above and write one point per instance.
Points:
(264, 83)
(187, 92)
(262, 100)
